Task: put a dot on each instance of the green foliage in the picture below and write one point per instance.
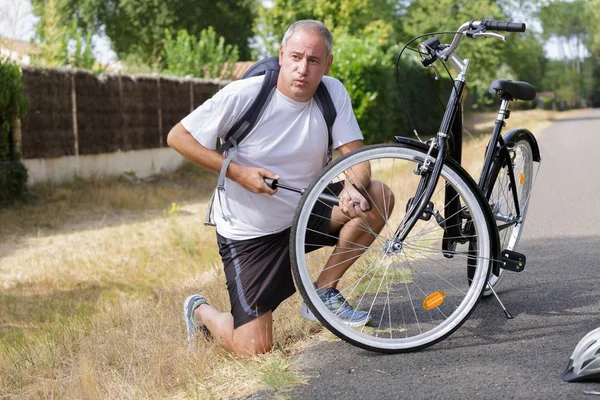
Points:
(356, 17)
(595, 89)
(206, 57)
(382, 107)
(564, 19)
(51, 33)
(81, 56)
(423, 98)
(13, 104)
(566, 22)
(231, 19)
(136, 27)
(135, 64)
(13, 178)
(592, 11)
(572, 24)
(367, 74)
(447, 15)
(564, 82)
(525, 56)
(62, 45)
(547, 103)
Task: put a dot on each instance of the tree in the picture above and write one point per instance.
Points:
(524, 54)
(486, 55)
(231, 19)
(50, 32)
(206, 57)
(593, 16)
(566, 22)
(354, 17)
(13, 104)
(137, 26)
(367, 73)
(592, 11)
(62, 45)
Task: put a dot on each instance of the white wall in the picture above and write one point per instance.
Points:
(143, 163)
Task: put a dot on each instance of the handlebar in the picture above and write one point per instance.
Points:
(473, 29)
(476, 29)
(504, 26)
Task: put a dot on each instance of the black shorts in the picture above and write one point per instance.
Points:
(258, 271)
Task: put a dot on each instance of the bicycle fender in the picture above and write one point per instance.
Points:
(489, 216)
(522, 133)
(411, 142)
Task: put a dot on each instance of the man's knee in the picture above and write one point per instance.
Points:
(383, 197)
(254, 337)
(252, 348)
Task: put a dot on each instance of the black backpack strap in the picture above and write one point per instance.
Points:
(270, 68)
(323, 99)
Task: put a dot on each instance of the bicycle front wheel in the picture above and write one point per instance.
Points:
(502, 199)
(415, 292)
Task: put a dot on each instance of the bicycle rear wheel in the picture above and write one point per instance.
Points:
(415, 293)
(501, 200)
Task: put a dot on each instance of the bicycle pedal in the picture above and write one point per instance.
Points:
(513, 261)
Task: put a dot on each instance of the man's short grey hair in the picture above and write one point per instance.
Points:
(310, 24)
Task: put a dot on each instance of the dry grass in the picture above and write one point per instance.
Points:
(93, 274)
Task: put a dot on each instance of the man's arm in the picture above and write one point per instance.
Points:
(348, 147)
(353, 198)
(250, 178)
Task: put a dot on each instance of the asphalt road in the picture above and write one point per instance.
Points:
(555, 302)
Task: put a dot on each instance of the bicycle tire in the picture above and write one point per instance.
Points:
(502, 202)
(397, 288)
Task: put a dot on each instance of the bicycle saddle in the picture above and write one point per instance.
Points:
(517, 90)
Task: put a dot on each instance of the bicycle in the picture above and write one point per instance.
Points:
(446, 240)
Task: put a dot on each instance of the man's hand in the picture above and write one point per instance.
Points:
(353, 203)
(252, 178)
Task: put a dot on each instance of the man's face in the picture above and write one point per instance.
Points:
(304, 61)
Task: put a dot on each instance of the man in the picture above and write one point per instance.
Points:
(253, 220)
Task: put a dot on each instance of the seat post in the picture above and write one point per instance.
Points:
(503, 112)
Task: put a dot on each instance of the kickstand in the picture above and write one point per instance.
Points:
(508, 316)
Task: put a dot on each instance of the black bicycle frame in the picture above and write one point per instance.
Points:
(497, 153)
(452, 208)
(429, 178)
(448, 143)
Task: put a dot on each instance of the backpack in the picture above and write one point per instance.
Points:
(269, 67)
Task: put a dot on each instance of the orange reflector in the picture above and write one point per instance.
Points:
(522, 178)
(434, 300)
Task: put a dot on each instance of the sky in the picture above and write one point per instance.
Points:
(18, 22)
(16, 19)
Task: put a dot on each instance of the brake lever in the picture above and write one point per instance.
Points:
(488, 34)
(435, 71)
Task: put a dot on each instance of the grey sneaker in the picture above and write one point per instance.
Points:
(189, 306)
(339, 306)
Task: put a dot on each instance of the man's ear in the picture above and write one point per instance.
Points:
(280, 54)
(329, 62)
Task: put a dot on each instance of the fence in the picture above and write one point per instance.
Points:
(78, 121)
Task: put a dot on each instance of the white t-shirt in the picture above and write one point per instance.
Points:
(290, 139)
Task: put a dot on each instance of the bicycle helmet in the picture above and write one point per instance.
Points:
(584, 364)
